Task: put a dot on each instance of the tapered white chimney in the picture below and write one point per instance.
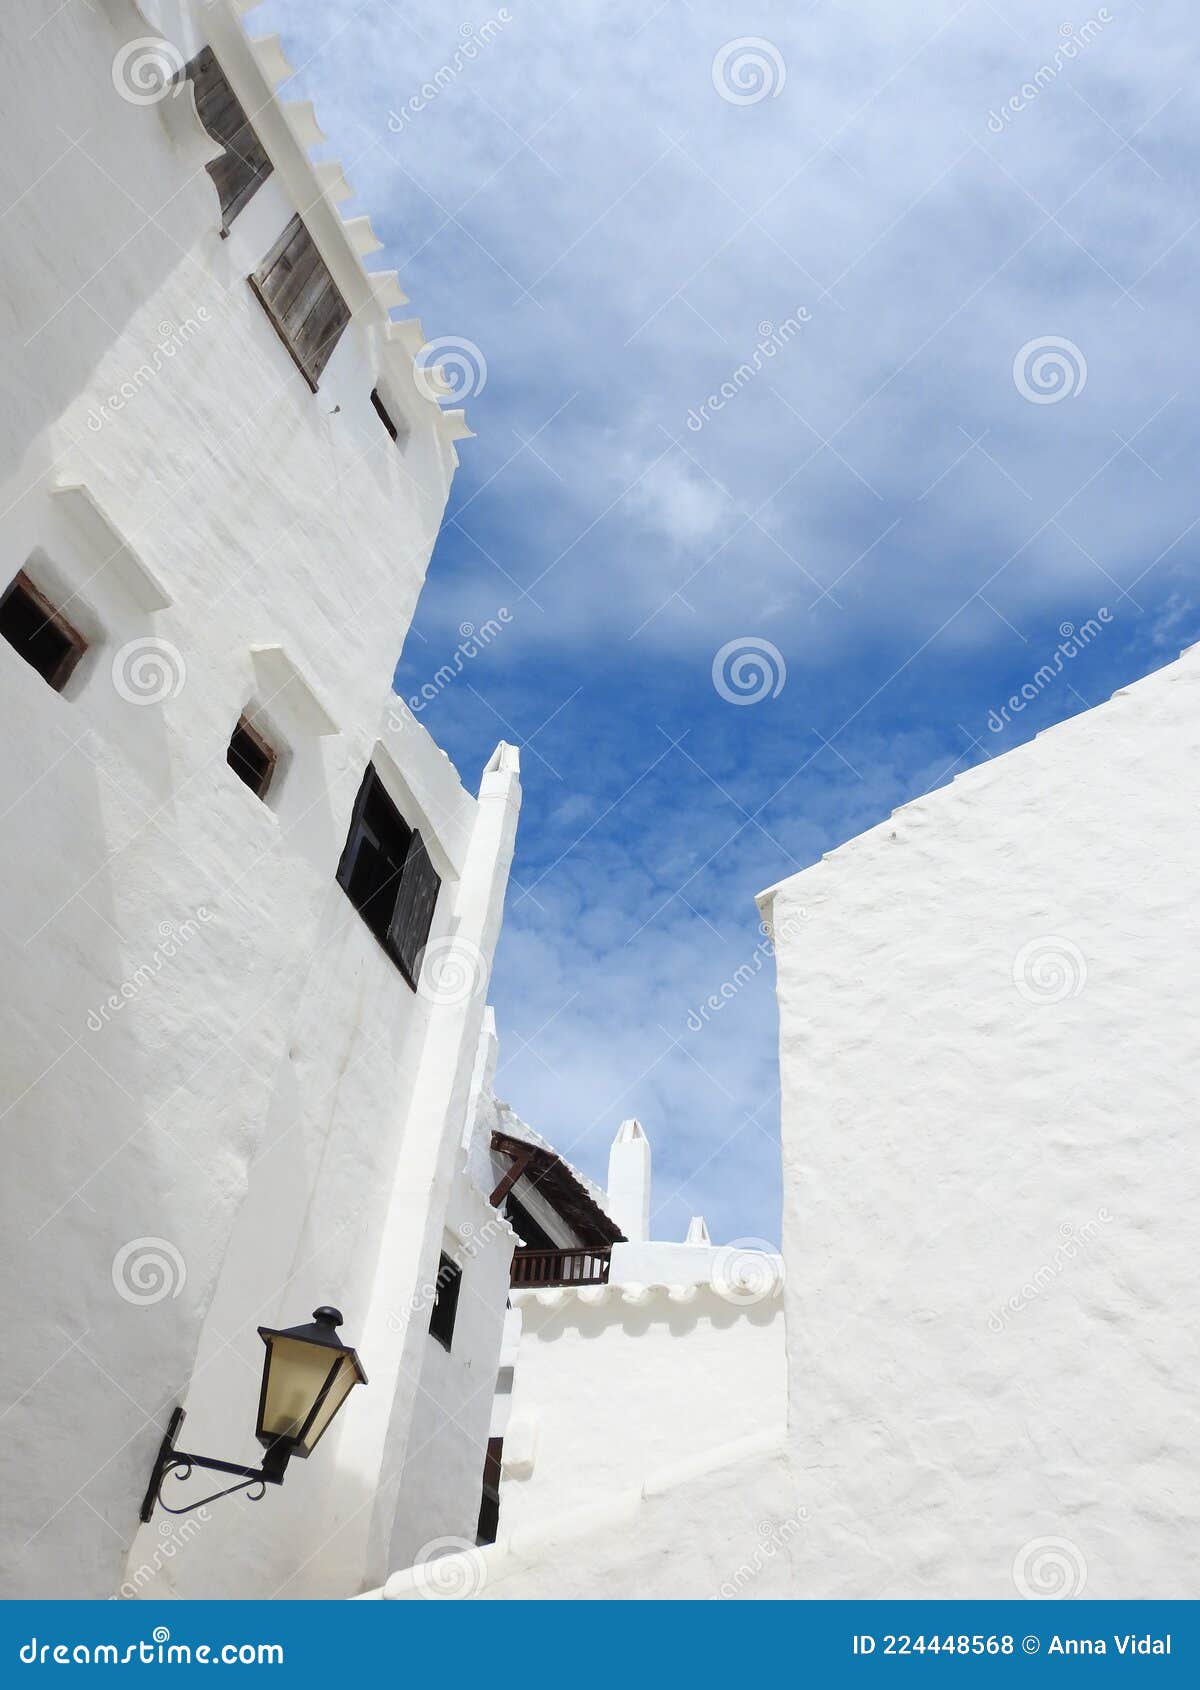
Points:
(629, 1181)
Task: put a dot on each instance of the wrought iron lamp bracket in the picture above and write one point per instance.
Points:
(253, 1480)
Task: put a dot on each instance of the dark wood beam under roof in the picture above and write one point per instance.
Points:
(560, 1187)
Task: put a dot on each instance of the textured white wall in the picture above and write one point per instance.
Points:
(608, 1392)
(252, 1102)
(725, 1527)
(989, 1059)
(443, 1472)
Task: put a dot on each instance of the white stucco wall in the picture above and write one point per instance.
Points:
(989, 1061)
(613, 1384)
(443, 1471)
(725, 1527)
(272, 1115)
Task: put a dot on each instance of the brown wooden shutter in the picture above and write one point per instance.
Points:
(301, 298)
(411, 919)
(244, 166)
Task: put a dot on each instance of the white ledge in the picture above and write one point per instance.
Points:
(281, 679)
(117, 554)
(302, 121)
(361, 236)
(332, 180)
(272, 60)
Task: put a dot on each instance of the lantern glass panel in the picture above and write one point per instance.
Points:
(296, 1374)
(346, 1377)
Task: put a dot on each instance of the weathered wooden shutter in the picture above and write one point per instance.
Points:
(244, 166)
(419, 887)
(301, 298)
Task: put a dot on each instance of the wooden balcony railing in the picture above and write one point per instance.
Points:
(561, 1267)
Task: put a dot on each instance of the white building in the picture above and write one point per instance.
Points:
(247, 909)
(988, 1058)
(624, 1359)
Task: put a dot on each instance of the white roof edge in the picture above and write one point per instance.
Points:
(765, 900)
(288, 130)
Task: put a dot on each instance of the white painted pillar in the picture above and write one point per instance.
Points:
(629, 1181)
(395, 1330)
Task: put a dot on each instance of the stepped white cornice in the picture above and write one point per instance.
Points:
(288, 129)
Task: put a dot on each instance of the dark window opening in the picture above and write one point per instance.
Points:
(244, 166)
(382, 413)
(32, 626)
(445, 1302)
(489, 1507)
(251, 758)
(301, 298)
(526, 1228)
(386, 873)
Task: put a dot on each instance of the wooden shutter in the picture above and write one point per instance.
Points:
(301, 298)
(244, 166)
(345, 868)
(419, 888)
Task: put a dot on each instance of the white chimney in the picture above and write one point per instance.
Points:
(629, 1181)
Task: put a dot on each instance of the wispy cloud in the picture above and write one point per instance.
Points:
(882, 502)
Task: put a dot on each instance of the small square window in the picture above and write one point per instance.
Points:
(32, 626)
(445, 1303)
(251, 758)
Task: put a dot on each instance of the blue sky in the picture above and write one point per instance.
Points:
(909, 499)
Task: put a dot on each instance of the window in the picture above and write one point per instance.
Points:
(251, 758)
(445, 1302)
(489, 1507)
(244, 166)
(386, 873)
(383, 415)
(32, 626)
(301, 299)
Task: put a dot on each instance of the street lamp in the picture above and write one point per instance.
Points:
(307, 1375)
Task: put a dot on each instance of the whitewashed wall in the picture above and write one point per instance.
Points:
(272, 1103)
(611, 1385)
(990, 1061)
(443, 1471)
(726, 1526)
